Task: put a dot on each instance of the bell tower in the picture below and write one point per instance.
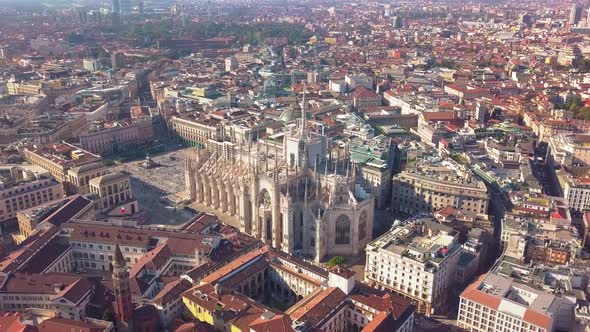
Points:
(123, 301)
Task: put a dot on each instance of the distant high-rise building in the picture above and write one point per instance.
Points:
(231, 64)
(4, 52)
(115, 7)
(526, 19)
(397, 22)
(125, 6)
(82, 15)
(575, 14)
(117, 60)
(91, 64)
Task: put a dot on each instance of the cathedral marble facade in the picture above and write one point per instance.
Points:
(291, 196)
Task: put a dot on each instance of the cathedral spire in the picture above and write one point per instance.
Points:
(317, 176)
(240, 151)
(305, 194)
(315, 165)
(304, 115)
(276, 157)
(326, 169)
(288, 183)
(266, 157)
(336, 162)
(347, 168)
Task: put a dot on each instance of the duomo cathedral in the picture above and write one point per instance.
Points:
(288, 191)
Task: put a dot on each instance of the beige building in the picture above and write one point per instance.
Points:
(418, 260)
(117, 137)
(196, 133)
(25, 187)
(317, 299)
(31, 89)
(113, 190)
(553, 128)
(428, 190)
(71, 207)
(570, 149)
(79, 177)
(58, 159)
(66, 294)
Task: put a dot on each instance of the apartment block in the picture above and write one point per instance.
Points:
(496, 303)
(428, 189)
(114, 137)
(416, 259)
(24, 187)
(58, 159)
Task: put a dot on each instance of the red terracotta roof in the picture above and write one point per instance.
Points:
(278, 323)
(363, 93)
(318, 308)
(471, 293)
(537, 319)
(439, 116)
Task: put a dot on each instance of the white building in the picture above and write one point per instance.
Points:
(575, 190)
(495, 303)
(417, 260)
(354, 81)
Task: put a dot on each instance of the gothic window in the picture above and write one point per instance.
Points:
(343, 230)
(363, 225)
(265, 199)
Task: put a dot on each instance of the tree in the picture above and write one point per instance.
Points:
(583, 113)
(583, 65)
(109, 316)
(574, 103)
(335, 261)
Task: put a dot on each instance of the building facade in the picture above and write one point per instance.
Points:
(113, 190)
(26, 191)
(417, 260)
(117, 138)
(496, 303)
(297, 200)
(415, 191)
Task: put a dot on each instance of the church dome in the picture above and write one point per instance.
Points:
(291, 113)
